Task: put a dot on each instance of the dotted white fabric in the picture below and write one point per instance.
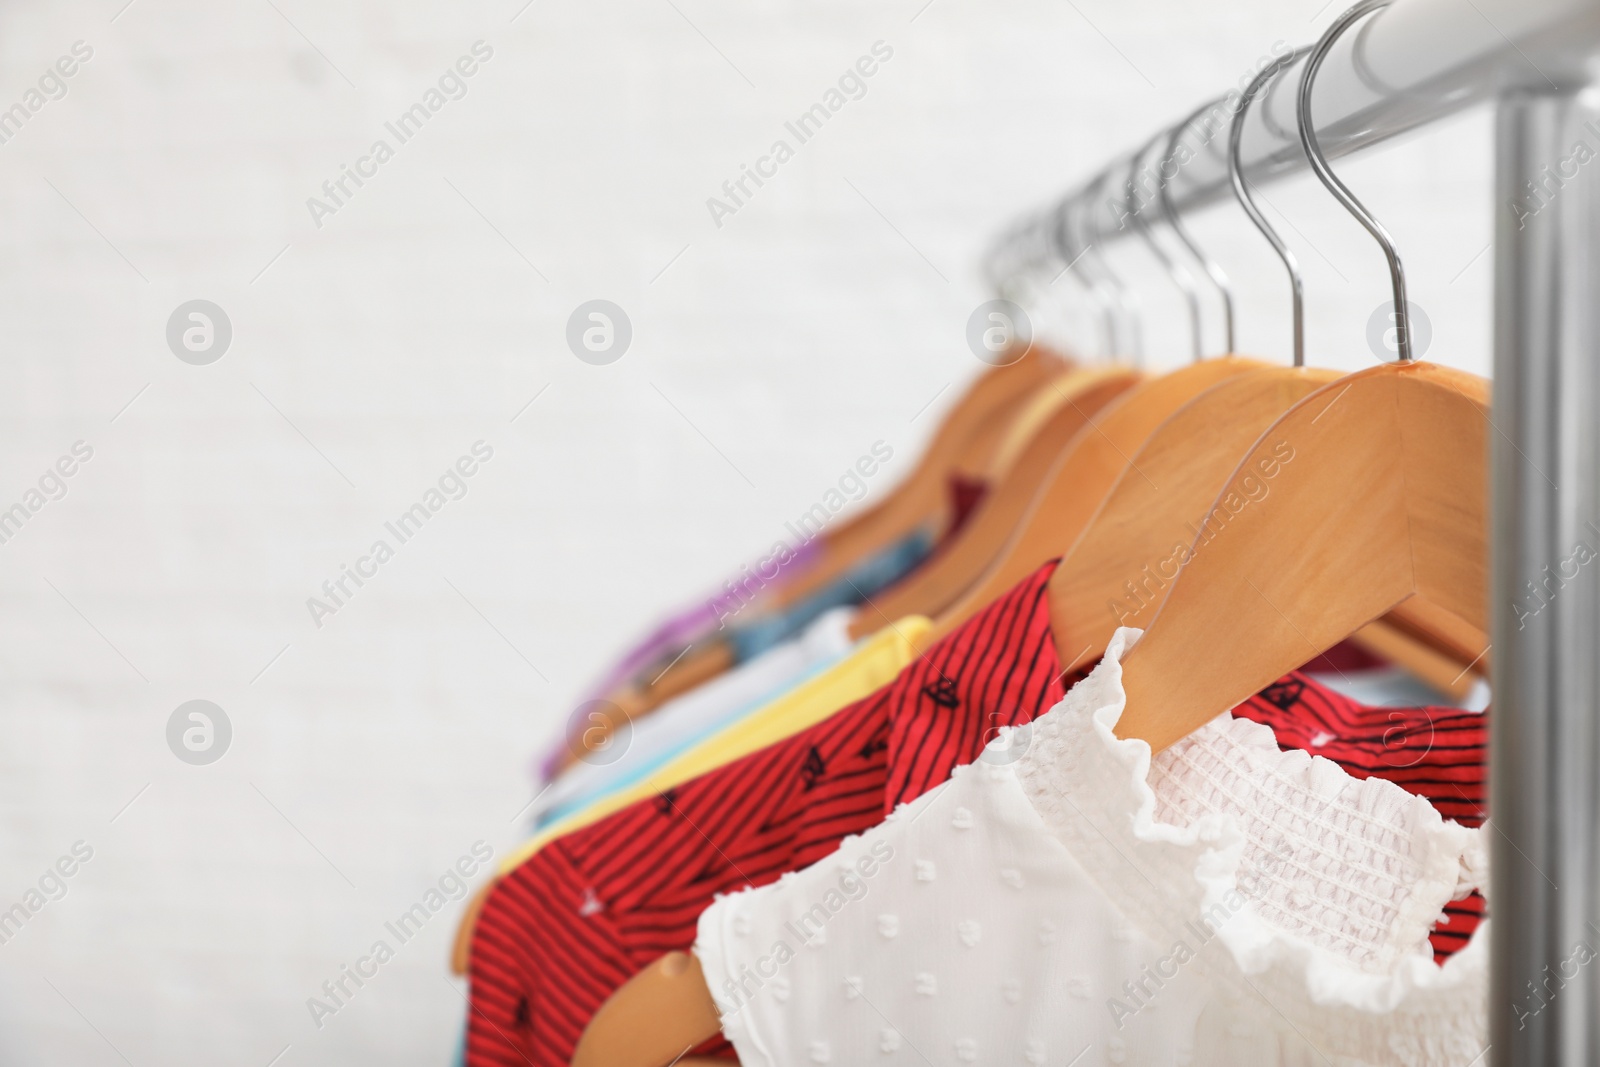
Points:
(1069, 900)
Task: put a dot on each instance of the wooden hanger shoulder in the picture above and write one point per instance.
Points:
(1129, 553)
(1384, 639)
(653, 1018)
(1065, 407)
(1081, 476)
(1042, 405)
(1379, 494)
(1445, 632)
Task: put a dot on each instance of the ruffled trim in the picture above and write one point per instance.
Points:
(1164, 875)
(1474, 871)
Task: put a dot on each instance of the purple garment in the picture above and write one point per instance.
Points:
(669, 638)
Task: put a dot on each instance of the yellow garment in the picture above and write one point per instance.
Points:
(873, 665)
(867, 669)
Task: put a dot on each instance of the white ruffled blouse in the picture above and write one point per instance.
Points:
(1070, 901)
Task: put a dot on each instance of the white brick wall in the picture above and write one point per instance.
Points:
(376, 750)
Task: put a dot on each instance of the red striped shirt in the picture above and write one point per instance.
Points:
(562, 931)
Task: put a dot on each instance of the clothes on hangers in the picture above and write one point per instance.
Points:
(874, 663)
(876, 572)
(1224, 903)
(751, 639)
(561, 932)
(600, 903)
(684, 720)
(677, 632)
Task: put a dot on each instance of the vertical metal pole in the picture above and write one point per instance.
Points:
(1544, 999)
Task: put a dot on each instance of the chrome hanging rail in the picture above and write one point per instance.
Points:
(1418, 62)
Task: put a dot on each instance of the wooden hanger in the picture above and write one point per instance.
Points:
(1066, 408)
(1115, 569)
(1444, 632)
(1155, 518)
(1389, 639)
(1024, 424)
(1060, 418)
(1080, 478)
(1119, 568)
(1387, 500)
(672, 1002)
(1086, 471)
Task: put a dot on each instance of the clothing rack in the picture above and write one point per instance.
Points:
(1413, 63)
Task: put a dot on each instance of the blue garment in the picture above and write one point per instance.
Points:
(867, 577)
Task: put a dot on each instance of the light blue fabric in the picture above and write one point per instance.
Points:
(866, 578)
(644, 768)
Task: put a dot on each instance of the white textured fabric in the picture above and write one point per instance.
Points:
(680, 722)
(1069, 900)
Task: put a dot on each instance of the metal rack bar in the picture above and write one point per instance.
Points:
(1545, 750)
(1415, 63)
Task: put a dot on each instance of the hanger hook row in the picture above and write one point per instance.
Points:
(1133, 210)
(1213, 269)
(1126, 302)
(1247, 201)
(1341, 192)
(1064, 236)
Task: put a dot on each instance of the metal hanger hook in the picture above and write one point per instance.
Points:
(1247, 200)
(1174, 269)
(1213, 269)
(1126, 302)
(1319, 163)
(1062, 236)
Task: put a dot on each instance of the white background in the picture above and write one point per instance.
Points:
(767, 355)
